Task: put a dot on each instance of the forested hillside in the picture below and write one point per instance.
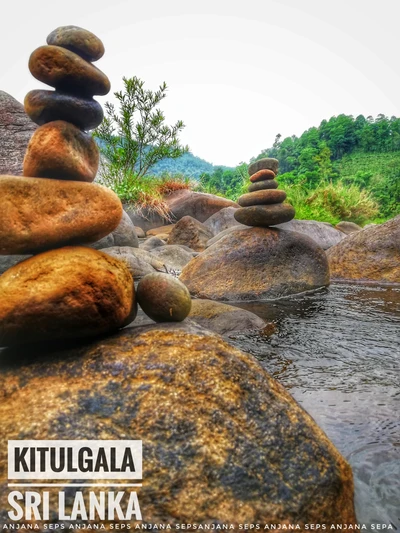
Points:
(346, 169)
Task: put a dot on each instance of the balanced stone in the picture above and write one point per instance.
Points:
(38, 214)
(47, 106)
(163, 298)
(78, 40)
(268, 163)
(261, 175)
(66, 71)
(261, 185)
(265, 215)
(262, 197)
(61, 150)
(67, 293)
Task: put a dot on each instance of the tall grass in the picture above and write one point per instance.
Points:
(145, 193)
(332, 202)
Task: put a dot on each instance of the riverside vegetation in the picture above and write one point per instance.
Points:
(345, 169)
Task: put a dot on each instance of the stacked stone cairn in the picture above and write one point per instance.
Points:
(64, 290)
(263, 205)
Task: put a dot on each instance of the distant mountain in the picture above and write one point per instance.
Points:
(188, 164)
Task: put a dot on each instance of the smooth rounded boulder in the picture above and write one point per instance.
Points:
(262, 197)
(38, 214)
(256, 264)
(66, 293)
(261, 185)
(47, 106)
(223, 442)
(68, 72)
(264, 215)
(268, 163)
(262, 175)
(78, 40)
(190, 232)
(62, 151)
(372, 254)
(163, 298)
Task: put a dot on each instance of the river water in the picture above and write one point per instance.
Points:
(338, 353)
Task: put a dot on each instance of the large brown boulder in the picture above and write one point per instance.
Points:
(255, 264)
(372, 254)
(223, 442)
(38, 214)
(16, 129)
(181, 203)
(65, 293)
(190, 232)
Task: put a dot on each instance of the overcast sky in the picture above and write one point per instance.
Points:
(238, 72)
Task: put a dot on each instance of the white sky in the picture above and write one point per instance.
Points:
(238, 72)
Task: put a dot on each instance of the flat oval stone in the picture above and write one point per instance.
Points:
(71, 292)
(261, 185)
(66, 71)
(261, 175)
(61, 150)
(268, 163)
(38, 214)
(47, 106)
(264, 215)
(262, 197)
(82, 42)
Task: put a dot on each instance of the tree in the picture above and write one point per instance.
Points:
(135, 137)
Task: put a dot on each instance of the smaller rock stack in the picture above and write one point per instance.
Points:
(263, 205)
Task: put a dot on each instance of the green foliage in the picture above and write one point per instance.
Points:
(135, 137)
(230, 183)
(332, 202)
(369, 147)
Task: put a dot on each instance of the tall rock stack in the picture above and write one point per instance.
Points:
(263, 205)
(65, 291)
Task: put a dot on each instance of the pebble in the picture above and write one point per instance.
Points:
(47, 106)
(67, 72)
(266, 163)
(262, 197)
(261, 185)
(78, 40)
(163, 298)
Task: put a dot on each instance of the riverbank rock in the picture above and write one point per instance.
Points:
(222, 220)
(223, 442)
(191, 233)
(67, 72)
(181, 203)
(48, 106)
(152, 243)
(163, 298)
(372, 254)
(139, 262)
(66, 293)
(163, 230)
(123, 235)
(265, 215)
(223, 319)
(324, 234)
(255, 264)
(62, 151)
(16, 130)
(174, 255)
(348, 227)
(38, 214)
(78, 40)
